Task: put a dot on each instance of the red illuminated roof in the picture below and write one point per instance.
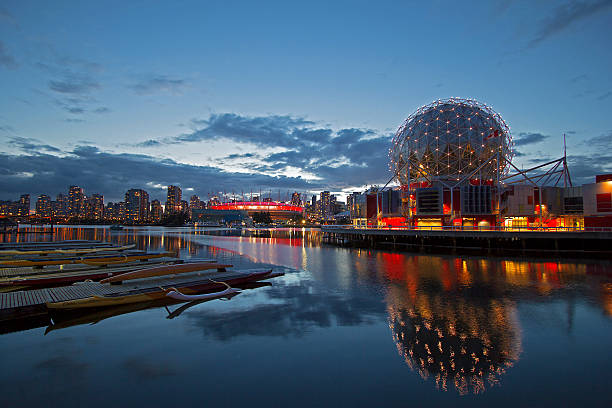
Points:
(600, 178)
(258, 206)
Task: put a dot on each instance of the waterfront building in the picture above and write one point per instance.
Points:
(214, 200)
(115, 212)
(325, 206)
(209, 216)
(9, 208)
(23, 209)
(453, 161)
(184, 206)
(277, 210)
(195, 204)
(94, 207)
(60, 206)
(173, 201)
(296, 199)
(43, 206)
(356, 203)
(597, 202)
(156, 211)
(137, 205)
(76, 202)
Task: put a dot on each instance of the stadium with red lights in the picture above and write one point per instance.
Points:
(277, 210)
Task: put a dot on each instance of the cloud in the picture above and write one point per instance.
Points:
(240, 156)
(75, 110)
(101, 109)
(148, 143)
(605, 95)
(529, 138)
(31, 146)
(339, 158)
(567, 14)
(6, 60)
(74, 84)
(577, 78)
(583, 168)
(158, 83)
(600, 142)
(262, 131)
(112, 174)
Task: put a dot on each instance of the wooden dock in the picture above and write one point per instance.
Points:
(23, 304)
(578, 244)
(26, 309)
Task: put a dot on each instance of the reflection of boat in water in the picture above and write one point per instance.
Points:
(466, 342)
(67, 318)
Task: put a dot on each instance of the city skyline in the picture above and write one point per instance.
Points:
(284, 97)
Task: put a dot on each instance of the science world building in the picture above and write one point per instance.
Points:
(453, 161)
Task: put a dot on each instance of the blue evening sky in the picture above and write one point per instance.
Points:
(290, 96)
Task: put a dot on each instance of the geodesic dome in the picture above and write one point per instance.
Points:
(449, 139)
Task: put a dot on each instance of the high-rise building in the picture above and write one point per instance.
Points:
(137, 205)
(60, 206)
(76, 202)
(156, 211)
(296, 199)
(24, 205)
(173, 202)
(9, 208)
(94, 207)
(43, 206)
(184, 206)
(325, 206)
(195, 204)
(115, 212)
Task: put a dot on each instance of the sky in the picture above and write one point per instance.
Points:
(241, 97)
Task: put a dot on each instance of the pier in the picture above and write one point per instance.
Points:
(491, 242)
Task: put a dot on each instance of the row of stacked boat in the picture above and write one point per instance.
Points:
(48, 277)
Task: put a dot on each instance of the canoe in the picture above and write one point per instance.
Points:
(137, 295)
(87, 260)
(166, 270)
(69, 277)
(65, 250)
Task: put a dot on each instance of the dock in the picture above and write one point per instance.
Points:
(26, 309)
(35, 280)
(541, 243)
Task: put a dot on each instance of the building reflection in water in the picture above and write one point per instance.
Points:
(465, 343)
(455, 320)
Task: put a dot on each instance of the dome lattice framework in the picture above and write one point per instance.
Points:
(448, 140)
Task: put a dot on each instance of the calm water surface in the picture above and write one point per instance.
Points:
(342, 327)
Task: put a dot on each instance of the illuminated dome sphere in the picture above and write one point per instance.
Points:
(448, 140)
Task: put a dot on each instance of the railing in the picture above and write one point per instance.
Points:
(471, 229)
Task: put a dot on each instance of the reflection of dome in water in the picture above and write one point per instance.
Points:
(463, 342)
